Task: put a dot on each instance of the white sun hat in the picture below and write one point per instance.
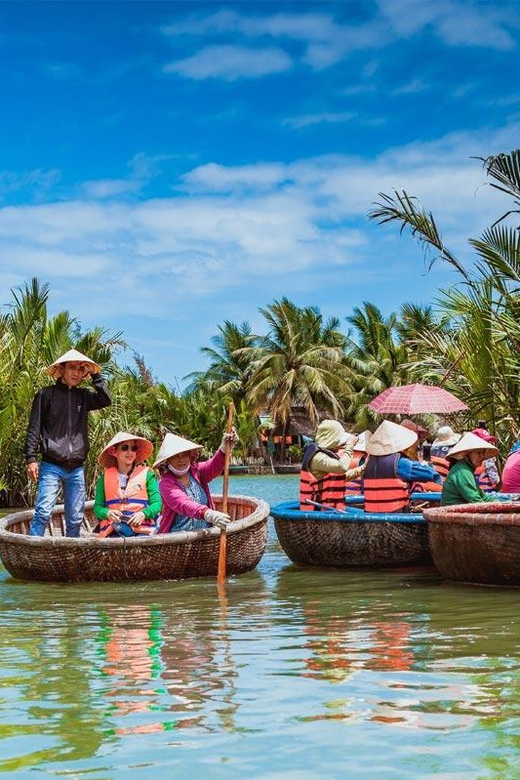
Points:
(445, 437)
(72, 356)
(362, 441)
(390, 438)
(468, 443)
(145, 448)
(173, 445)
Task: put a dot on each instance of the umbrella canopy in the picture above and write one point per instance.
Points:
(416, 399)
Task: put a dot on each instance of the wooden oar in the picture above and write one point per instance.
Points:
(221, 575)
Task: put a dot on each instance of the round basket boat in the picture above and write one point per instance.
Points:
(351, 539)
(476, 543)
(180, 555)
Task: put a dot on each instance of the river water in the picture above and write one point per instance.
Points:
(296, 673)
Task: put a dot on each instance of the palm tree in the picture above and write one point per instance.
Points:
(479, 348)
(230, 361)
(297, 364)
(376, 359)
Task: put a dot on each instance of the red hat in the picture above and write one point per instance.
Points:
(483, 434)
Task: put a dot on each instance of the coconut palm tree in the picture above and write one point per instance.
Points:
(479, 348)
(299, 363)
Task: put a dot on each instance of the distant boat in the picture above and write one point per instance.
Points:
(287, 468)
(239, 468)
(179, 555)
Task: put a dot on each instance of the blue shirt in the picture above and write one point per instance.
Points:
(413, 471)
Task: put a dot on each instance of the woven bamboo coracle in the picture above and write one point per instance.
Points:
(476, 543)
(179, 555)
(357, 540)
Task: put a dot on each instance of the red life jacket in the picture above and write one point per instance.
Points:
(134, 498)
(328, 489)
(355, 486)
(385, 491)
(441, 465)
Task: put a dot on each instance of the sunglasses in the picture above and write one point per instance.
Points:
(125, 447)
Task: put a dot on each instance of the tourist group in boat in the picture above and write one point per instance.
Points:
(133, 499)
(388, 466)
(129, 500)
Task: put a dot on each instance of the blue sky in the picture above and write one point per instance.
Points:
(166, 166)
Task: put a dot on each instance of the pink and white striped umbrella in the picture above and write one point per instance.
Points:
(416, 399)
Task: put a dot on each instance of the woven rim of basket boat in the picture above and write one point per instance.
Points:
(259, 513)
(485, 513)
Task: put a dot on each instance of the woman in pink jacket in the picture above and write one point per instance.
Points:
(184, 484)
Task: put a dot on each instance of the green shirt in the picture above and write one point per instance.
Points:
(154, 498)
(460, 486)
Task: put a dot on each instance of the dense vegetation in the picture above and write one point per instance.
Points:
(469, 343)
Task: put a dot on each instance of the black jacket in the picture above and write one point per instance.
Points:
(58, 422)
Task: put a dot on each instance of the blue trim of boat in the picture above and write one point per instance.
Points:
(289, 510)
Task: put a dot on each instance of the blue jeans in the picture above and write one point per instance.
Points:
(50, 479)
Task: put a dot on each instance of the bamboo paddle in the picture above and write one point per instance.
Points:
(221, 575)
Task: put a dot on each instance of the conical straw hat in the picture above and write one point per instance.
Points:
(173, 445)
(468, 443)
(68, 357)
(390, 438)
(145, 449)
(362, 442)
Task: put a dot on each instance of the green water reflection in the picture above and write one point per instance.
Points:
(294, 673)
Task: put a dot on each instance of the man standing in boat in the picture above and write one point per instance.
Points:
(58, 430)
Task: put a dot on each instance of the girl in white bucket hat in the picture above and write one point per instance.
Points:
(184, 484)
(460, 486)
(127, 500)
(392, 469)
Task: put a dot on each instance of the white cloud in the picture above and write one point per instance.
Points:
(231, 63)
(326, 117)
(321, 41)
(234, 228)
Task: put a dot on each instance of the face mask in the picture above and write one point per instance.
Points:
(178, 472)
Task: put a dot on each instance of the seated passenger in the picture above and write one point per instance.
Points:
(326, 468)
(127, 500)
(184, 484)
(511, 471)
(486, 474)
(392, 468)
(444, 440)
(354, 487)
(460, 486)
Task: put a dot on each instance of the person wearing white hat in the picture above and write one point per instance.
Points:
(444, 440)
(127, 500)
(392, 468)
(184, 484)
(326, 468)
(460, 486)
(58, 431)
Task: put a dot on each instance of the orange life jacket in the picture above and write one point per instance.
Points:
(134, 498)
(355, 486)
(385, 491)
(328, 489)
